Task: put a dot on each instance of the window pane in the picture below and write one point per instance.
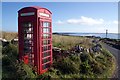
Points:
(27, 36)
(49, 47)
(44, 30)
(46, 24)
(46, 66)
(45, 54)
(46, 60)
(45, 42)
(27, 24)
(28, 30)
(28, 43)
(48, 41)
(45, 48)
(48, 30)
(46, 35)
(27, 49)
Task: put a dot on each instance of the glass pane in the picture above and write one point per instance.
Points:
(27, 49)
(27, 41)
(45, 54)
(27, 24)
(46, 24)
(28, 44)
(46, 36)
(29, 30)
(27, 36)
(45, 48)
(49, 47)
(45, 30)
(44, 42)
(46, 66)
(48, 41)
(48, 30)
(46, 60)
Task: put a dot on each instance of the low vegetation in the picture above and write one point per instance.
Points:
(11, 67)
(8, 35)
(67, 42)
(82, 65)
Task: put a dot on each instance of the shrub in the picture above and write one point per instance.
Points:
(84, 57)
(5, 61)
(101, 59)
(97, 68)
(12, 69)
(75, 58)
(106, 53)
(11, 51)
(85, 68)
(67, 66)
(50, 74)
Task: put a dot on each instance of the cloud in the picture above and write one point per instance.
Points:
(115, 22)
(86, 21)
(59, 22)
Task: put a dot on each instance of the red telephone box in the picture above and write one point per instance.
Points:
(35, 37)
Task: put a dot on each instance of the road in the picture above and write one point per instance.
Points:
(115, 52)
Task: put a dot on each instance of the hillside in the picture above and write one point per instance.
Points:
(68, 62)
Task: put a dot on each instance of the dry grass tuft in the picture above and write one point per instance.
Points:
(9, 35)
(67, 42)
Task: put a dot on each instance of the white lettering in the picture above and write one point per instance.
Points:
(43, 14)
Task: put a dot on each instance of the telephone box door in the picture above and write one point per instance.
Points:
(28, 55)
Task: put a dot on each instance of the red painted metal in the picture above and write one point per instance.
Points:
(35, 37)
(25, 59)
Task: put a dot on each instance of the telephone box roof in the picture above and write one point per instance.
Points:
(34, 7)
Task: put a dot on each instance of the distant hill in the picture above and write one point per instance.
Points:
(8, 35)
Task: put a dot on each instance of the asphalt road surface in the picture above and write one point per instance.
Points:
(116, 53)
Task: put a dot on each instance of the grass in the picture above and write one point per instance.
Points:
(83, 66)
(101, 66)
(11, 68)
(110, 64)
(73, 67)
(9, 35)
(29, 71)
(67, 42)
